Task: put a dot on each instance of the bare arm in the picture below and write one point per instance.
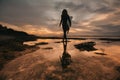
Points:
(60, 21)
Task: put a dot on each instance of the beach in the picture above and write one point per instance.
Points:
(44, 63)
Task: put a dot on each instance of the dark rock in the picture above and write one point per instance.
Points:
(118, 68)
(48, 48)
(100, 53)
(88, 46)
(42, 43)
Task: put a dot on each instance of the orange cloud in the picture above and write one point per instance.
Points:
(39, 30)
(11, 26)
(94, 18)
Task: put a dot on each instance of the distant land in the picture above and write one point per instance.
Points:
(8, 33)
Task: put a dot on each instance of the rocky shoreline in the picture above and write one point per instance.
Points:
(11, 44)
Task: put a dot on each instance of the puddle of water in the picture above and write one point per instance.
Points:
(110, 49)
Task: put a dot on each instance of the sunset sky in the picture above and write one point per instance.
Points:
(41, 17)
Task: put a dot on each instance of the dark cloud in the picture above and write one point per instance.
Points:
(69, 5)
(116, 3)
(47, 13)
(108, 29)
(23, 11)
(105, 9)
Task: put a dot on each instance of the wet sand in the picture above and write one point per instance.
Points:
(44, 64)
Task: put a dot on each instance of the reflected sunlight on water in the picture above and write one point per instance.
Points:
(45, 64)
(110, 49)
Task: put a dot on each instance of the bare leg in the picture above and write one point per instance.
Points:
(67, 31)
(65, 37)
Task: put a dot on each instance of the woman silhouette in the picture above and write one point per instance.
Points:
(66, 23)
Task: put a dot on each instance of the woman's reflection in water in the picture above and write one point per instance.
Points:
(66, 57)
(66, 24)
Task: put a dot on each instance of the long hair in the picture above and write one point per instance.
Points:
(64, 12)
